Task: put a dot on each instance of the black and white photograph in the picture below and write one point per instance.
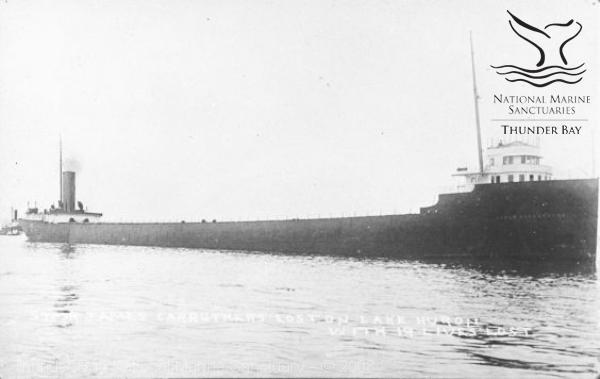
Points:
(299, 189)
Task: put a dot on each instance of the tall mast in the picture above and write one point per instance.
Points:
(60, 170)
(593, 154)
(476, 99)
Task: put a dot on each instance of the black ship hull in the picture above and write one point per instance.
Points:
(537, 221)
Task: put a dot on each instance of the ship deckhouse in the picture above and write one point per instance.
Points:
(515, 161)
(68, 210)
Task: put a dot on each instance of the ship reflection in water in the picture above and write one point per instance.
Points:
(115, 311)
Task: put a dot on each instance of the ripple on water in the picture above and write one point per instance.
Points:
(135, 311)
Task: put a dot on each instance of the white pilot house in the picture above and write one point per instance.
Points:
(515, 161)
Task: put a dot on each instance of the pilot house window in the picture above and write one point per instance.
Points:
(511, 178)
(521, 177)
(530, 159)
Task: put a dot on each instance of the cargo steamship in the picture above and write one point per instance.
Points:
(513, 210)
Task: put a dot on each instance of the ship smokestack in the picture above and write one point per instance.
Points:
(68, 191)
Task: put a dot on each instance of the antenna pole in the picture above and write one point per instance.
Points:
(593, 155)
(476, 98)
(60, 169)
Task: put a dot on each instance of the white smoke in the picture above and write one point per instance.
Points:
(71, 164)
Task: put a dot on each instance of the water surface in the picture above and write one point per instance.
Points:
(116, 311)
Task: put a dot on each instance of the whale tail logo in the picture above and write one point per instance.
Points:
(550, 41)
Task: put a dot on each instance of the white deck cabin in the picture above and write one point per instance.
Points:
(58, 216)
(515, 161)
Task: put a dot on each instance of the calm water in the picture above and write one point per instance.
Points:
(106, 311)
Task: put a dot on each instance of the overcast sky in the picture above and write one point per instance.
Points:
(173, 110)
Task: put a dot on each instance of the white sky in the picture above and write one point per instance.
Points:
(175, 110)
